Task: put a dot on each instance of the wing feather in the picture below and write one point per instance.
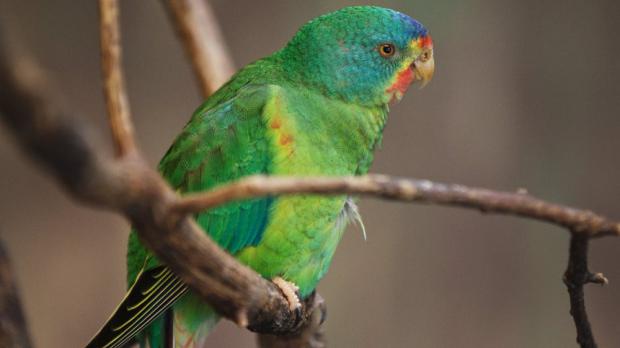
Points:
(151, 294)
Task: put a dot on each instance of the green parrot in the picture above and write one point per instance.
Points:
(316, 107)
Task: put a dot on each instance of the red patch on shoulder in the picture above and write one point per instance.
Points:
(275, 124)
(403, 81)
(286, 139)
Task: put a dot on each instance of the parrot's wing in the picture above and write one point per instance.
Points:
(151, 294)
(219, 144)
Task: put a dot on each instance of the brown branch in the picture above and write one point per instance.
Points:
(580, 221)
(114, 84)
(197, 27)
(576, 276)
(13, 330)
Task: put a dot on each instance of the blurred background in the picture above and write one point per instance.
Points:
(525, 94)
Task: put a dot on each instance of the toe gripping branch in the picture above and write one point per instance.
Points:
(309, 317)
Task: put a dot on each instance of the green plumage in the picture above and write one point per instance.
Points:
(317, 107)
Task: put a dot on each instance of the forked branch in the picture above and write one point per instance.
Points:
(128, 185)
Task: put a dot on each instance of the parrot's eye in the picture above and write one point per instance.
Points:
(387, 50)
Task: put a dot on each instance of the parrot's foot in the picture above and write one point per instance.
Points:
(290, 291)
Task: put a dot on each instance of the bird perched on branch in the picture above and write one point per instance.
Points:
(316, 107)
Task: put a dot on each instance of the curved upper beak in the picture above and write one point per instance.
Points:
(424, 66)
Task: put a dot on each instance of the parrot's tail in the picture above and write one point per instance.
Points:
(192, 322)
(186, 325)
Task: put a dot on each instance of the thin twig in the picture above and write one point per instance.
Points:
(13, 330)
(114, 84)
(423, 191)
(197, 27)
(576, 276)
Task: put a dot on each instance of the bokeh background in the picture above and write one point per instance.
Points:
(525, 94)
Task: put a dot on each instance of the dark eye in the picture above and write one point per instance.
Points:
(387, 50)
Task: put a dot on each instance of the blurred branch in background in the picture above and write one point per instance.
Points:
(113, 79)
(197, 27)
(13, 330)
(163, 220)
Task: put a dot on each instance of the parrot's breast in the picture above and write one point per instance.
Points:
(310, 135)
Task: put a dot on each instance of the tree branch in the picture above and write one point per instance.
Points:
(197, 28)
(114, 84)
(576, 276)
(582, 222)
(13, 330)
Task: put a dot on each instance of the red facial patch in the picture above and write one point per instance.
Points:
(406, 77)
(425, 41)
(403, 81)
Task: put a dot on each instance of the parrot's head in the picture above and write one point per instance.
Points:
(363, 54)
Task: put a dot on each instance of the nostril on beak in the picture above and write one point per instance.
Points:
(425, 56)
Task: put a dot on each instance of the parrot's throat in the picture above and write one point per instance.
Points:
(401, 83)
